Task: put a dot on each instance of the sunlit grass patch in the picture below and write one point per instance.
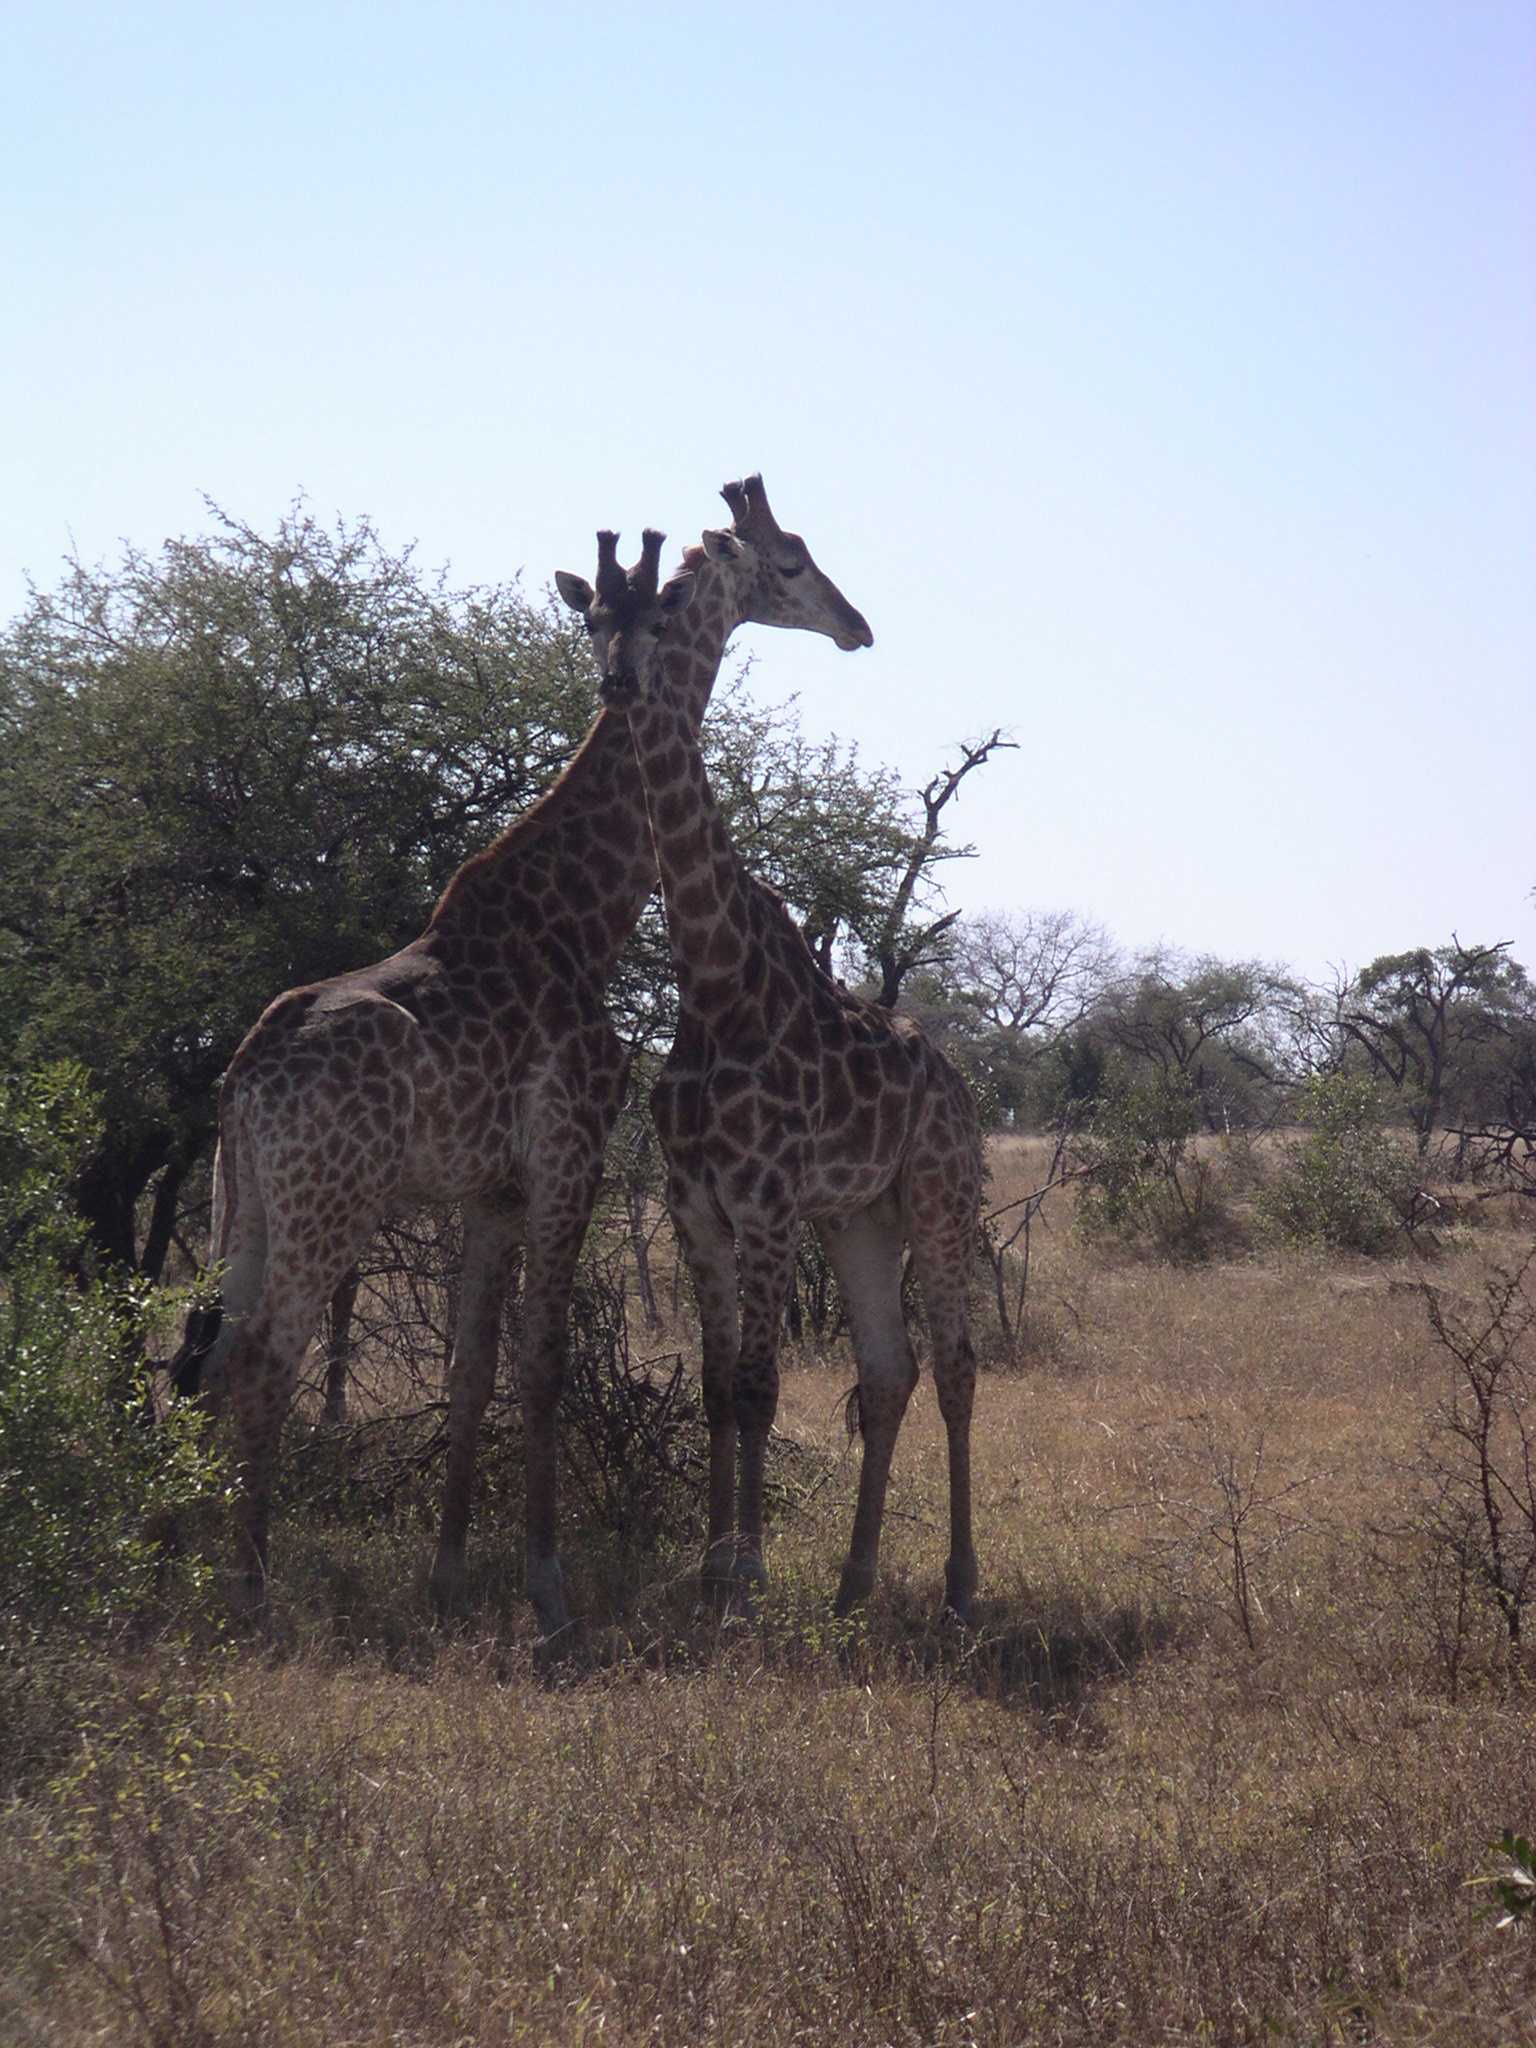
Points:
(1217, 1761)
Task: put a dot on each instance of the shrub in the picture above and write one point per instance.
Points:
(633, 1439)
(1347, 1185)
(1144, 1181)
(1478, 1458)
(84, 1469)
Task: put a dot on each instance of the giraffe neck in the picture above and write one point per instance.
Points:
(576, 869)
(707, 892)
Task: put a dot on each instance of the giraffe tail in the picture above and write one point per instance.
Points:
(205, 1321)
(853, 1411)
(186, 1367)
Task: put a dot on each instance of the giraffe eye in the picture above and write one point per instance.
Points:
(791, 569)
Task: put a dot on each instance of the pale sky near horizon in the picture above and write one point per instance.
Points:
(1158, 378)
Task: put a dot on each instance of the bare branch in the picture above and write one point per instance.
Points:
(897, 952)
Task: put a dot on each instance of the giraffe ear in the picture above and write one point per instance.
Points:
(721, 546)
(576, 591)
(677, 594)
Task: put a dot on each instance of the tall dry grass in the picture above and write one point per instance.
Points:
(1218, 1764)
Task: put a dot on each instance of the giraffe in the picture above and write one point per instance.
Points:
(786, 1098)
(477, 1065)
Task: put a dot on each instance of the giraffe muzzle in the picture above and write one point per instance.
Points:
(621, 690)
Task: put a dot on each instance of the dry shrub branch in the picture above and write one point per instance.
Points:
(1479, 1455)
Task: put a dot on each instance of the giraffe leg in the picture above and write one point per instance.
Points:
(557, 1224)
(954, 1373)
(943, 1260)
(320, 1208)
(263, 1367)
(865, 1254)
(710, 1252)
(492, 1232)
(338, 1346)
(262, 1371)
(766, 1261)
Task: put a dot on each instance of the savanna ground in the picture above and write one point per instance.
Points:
(1227, 1746)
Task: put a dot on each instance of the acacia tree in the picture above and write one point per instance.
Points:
(1491, 1101)
(1204, 1024)
(1012, 986)
(1032, 970)
(1420, 1016)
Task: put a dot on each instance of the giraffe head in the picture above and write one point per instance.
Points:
(771, 577)
(627, 615)
(777, 582)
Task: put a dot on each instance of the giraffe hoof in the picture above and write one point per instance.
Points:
(959, 1597)
(855, 1587)
(717, 1574)
(561, 1649)
(248, 1601)
(546, 1590)
(446, 1588)
(732, 1578)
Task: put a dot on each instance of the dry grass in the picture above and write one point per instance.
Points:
(1202, 1774)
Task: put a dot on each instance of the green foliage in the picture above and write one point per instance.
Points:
(1074, 1078)
(47, 1122)
(830, 834)
(1348, 1184)
(82, 1474)
(1145, 1182)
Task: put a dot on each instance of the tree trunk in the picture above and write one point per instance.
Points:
(162, 1216)
(107, 1196)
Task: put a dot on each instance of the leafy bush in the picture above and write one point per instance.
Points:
(1348, 1185)
(84, 1469)
(1144, 1181)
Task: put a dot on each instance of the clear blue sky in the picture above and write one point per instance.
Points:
(1158, 378)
